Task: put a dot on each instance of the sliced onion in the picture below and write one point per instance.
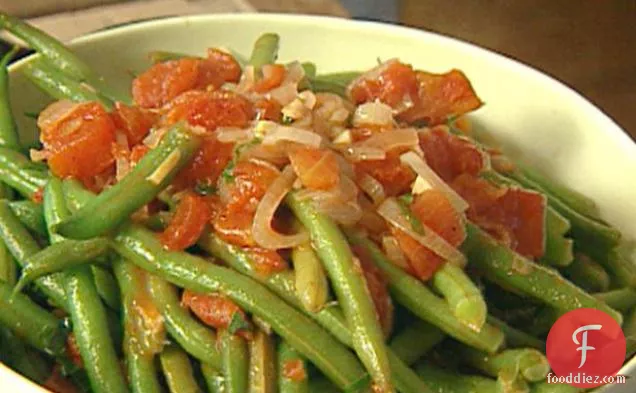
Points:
(422, 169)
(364, 153)
(39, 155)
(345, 191)
(373, 113)
(295, 109)
(292, 134)
(248, 79)
(391, 211)
(275, 154)
(55, 112)
(392, 139)
(154, 137)
(393, 251)
(373, 188)
(284, 94)
(233, 134)
(262, 230)
(347, 214)
(122, 163)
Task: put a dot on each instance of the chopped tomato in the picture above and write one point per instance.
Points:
(221, 108)
(58, 383)
(449, 155)
(73, 351)
(393, 83)
(423, 261)
(390, 172)
(268, 109)
(514, 216)
(273, 75)
(433, 209)
(235, 227)
(187, 224)
(165, 81)
(294, 370)
(266, 261)
(133, 121)
(440, 97)
(213, 309)
(79, 142)
(378, 288)
(317, 168)
(207, 164)
(250, 182)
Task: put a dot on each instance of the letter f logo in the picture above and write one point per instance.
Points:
(584, 347)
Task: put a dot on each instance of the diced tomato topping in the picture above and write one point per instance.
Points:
(133, 121)
(235, 227)
(221, 108)
(393, 83)
(512, 215)
(165, 81)
(317, 168)
(213, 309)
(423, 261)
(79, 142)
(294, 370)
(378, 288)
(58, 383)
(187, 224)
(440, 97)
(434, 210)
(207, 164)
(266, 261)
(73, 352)
(273, 75)
(250, 182)
(390, 172)
(449, 155)
(268, 109)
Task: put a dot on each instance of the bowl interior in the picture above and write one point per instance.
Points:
(537, 119)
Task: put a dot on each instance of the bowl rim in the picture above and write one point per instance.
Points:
(607, 125)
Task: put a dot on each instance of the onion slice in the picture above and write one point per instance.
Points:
(393, 251)
(425, 172)
(233, 134)
(276, 133)
(373, 188)
(391, 211)
(393, 139)
(262, 230)
(364, 153)
(374, 113)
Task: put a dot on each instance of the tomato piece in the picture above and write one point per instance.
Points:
(433, 209)
(378, 288)
(210, 110)
(317, 169)
(423, 262)
(187, 224)
(133, 121)
(449, 155)
(58, 383)
(213, 309)
(235, 227)
(390, 172)
(393, 83)
(207, 164)
(79, 142)
(273, 75)
(251, 180)
(266, 261)
(219, 67)
(73, 351)
(164, 81)
(440, 97)
(294, 370)
(268, 109)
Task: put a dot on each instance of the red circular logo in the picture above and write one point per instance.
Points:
(584, 346)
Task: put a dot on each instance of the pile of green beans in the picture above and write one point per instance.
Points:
(76, 265)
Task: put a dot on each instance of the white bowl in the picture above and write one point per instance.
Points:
(540, 120)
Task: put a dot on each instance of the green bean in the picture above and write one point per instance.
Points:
(621, 299)
(286, 384)
(60, 256)
(587, 274)
(406, 380)
(20, 173)
(22, 246)
(265, 51)
(505, 267)
(90, 322)
(545, 387)
(351, 290)
(309, 68)
(177, 370)
(322, 385)
(60, 86)
(152, 174)
(31, 215)
(412, 294)
(8, 130)
(139, 352)
(106, 286)
(516, 338)
(31, 322)
(213, 379)
(415, 341)
(323, 86)
(6, 192)
(342, 78)
(621, 268)
(312, 287)
(144, 249)
(262, 364)
(330, 317)
(235, 362)
(509, 381)
(159, 56)
(8, 269)
(629, 329)
(21, 358)
(442, 381)
(197, 339)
